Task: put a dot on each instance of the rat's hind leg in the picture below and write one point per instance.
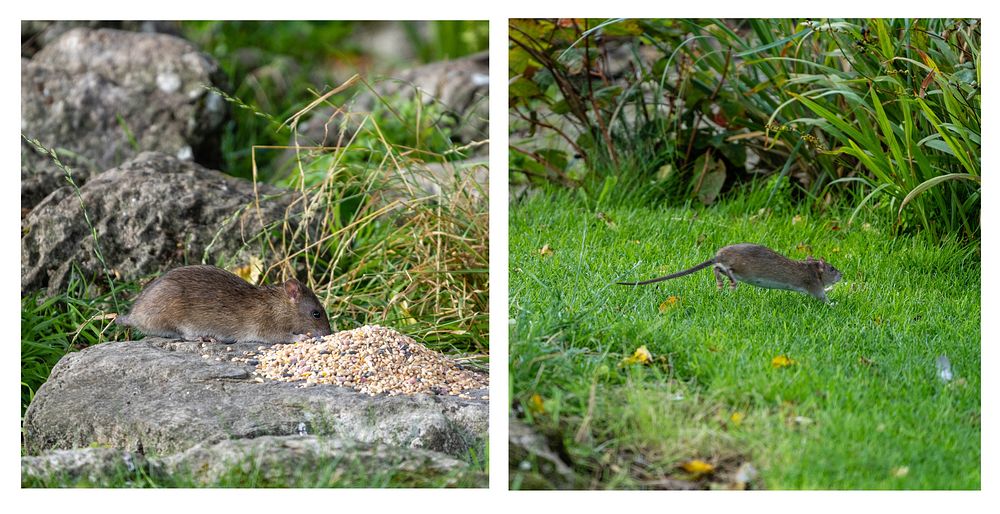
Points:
(721, 270)
(719, 281)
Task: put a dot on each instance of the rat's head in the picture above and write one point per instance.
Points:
(827, 274)
(310, 315)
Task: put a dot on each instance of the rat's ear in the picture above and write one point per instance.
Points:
(293, 288)
(818, 268)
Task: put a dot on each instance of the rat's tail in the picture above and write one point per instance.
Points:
(674, 275)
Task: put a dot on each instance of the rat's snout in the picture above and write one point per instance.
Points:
(323, 329)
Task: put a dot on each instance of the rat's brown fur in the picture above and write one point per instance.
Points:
(760, 266)
(195, 302)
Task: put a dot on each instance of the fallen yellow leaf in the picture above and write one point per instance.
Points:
(782, 361)
(698, 467)
(641, 356)
(545, 251)
(537, 405)
(901, 471)
(796, 219)
(668, 304)
(251, 270)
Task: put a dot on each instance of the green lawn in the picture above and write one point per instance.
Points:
(860, 407)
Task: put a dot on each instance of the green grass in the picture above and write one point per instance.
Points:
(861, 402)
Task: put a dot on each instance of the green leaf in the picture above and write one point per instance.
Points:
(779, 42)
(710, 176)
(522, 87)
(933, 182)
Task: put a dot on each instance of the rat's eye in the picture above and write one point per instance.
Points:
(317, 314)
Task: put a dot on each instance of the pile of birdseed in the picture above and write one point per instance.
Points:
(371, 359)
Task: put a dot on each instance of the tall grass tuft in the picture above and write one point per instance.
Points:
(53, 326)
(888, 108)
(381, 237)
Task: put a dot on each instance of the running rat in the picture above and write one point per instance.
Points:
(193, 302)
(760, 266)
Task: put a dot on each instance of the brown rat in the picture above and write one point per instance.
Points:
(760, 266)
(195, 302)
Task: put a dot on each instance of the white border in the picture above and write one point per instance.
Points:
(496, 498)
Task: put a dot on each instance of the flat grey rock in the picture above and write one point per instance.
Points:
(163, 397)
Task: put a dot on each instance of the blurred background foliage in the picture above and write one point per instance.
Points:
(274, 68)
(880, 114)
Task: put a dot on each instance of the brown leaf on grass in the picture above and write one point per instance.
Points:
(545, 251)
(925, 83)
(606, 219)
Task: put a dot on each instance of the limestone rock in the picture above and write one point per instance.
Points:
(276, 458)
(99, 97)
(272, 459)
(166, 396)
(90, 466)
(35, 34)
(152, 213)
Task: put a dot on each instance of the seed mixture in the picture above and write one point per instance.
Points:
(371, 359)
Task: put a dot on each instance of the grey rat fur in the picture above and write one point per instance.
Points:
(193, 302)
(760, 266)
